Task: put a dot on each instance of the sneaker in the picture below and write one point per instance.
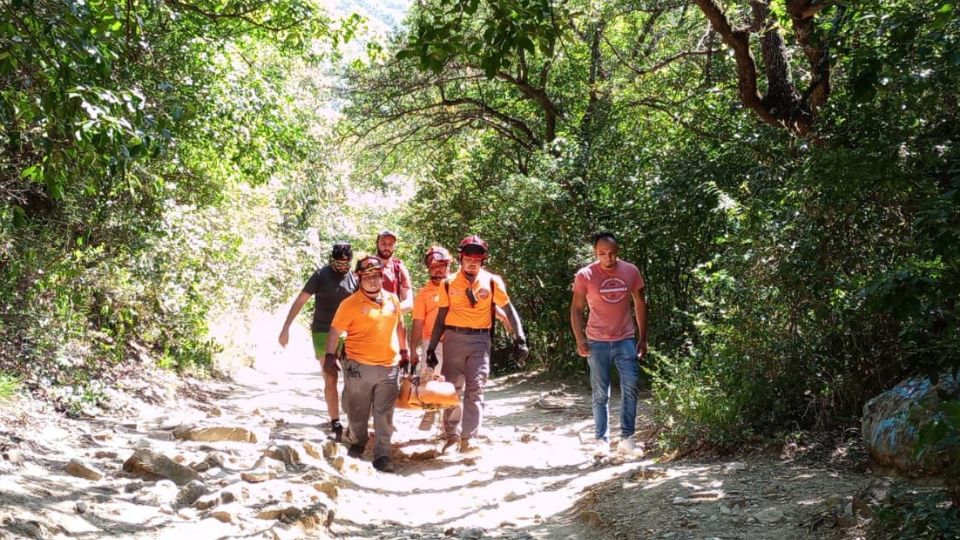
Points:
(601, 448)
(628, 448)
(467, 446)
(355, 451)
(383, 464)
(337, 429)
(427, 421)
(451, 441)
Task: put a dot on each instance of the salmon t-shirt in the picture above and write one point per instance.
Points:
(608, 298)
(371, 328)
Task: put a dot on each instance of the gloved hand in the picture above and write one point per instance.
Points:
(432, 359)
(404, 360)
(520, 345)
(330, 364)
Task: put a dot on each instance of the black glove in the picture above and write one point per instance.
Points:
(330, 364)
(404, 360)
(432, 359)
(522, 351)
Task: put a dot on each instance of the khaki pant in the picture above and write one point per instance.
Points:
(466, 364)
(369, 389)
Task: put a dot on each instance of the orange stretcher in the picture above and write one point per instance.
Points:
(432, 394)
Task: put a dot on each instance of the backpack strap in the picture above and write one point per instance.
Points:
(398, 274)
(493, 308)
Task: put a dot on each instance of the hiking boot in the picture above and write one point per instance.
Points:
(336, 428)
(451, 441)
(383, 464)
(355, 451)
(427, 421)
(468, 447)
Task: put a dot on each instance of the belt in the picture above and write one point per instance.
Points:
(462, 330)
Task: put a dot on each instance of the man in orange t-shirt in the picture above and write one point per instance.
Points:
(376, 350)
(465, 317)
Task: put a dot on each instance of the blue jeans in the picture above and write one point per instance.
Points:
(604, 355)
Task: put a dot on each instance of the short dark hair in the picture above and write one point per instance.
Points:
(605, 235)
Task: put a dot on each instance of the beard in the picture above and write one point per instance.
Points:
(384, 253)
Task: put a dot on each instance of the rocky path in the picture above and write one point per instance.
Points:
(247, 459)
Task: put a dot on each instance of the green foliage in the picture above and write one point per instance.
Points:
(788, 280)
(910, 513)
(493, 35)
(145, 148)
(939, 439)
(9, 385)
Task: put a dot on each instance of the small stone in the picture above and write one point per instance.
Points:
(14, 456)
(159, 435)
(257, 477)
(105, 454)
(82, 470)
(80, 507)
(327, 488)
(207, 501)
(769, 515)
(222, 515)
(472, 534)
(190, 493)
(130, 487)
(735, 466)
(311, 450)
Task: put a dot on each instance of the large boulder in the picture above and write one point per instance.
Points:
(892, 421)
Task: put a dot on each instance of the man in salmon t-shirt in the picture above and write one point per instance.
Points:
(396, 277)
(609, 339)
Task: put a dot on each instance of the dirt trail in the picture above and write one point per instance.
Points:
(535, 476)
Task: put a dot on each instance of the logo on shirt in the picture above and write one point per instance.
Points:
(613, 290)
(483, 294)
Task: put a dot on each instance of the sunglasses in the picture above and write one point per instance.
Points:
(471, 297)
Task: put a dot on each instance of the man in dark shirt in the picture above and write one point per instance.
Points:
(329, 286)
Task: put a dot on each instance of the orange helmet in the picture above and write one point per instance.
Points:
(436, 255)
(474, 245)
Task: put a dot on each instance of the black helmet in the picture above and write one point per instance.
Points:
(342, 250)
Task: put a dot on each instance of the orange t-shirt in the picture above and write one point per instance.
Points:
(425, 306)
(371, 328)
(478, 316)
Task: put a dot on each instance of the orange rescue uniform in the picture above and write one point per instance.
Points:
(461, 313)
(425, 307)
(366, 324)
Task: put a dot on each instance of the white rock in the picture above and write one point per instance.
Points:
(769, 515)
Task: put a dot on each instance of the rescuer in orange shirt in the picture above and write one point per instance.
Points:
(467, 309)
